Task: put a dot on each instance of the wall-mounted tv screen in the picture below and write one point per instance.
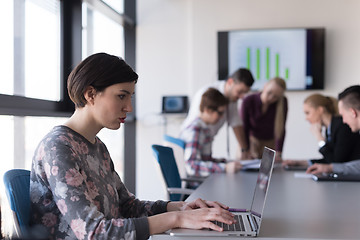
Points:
(294, 54)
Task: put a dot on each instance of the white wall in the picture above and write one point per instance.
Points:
(177, 54)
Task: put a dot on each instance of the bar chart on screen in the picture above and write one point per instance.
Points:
(260, 54)
(268, 54)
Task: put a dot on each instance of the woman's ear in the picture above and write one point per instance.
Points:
(89, 94)
(320, 109)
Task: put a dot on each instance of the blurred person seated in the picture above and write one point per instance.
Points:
(349, 108)
(338, 144)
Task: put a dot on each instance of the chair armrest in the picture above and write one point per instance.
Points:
(180, 191)
(194, 179)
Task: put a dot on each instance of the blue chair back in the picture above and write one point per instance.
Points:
(17, 187)
(174, 140)
(165, 157)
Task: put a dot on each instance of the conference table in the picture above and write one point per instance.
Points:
(296, 207)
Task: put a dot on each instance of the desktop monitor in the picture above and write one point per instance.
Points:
(174, 104)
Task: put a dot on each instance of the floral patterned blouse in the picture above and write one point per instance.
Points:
(76, 194)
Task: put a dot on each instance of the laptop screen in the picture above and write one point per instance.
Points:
(262, 182)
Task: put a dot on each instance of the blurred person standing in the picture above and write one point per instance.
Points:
(234, 88)
(198, 138)
(264, 117)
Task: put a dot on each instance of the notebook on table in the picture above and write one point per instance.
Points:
(251, 165)
(336, 177)
(248, 221)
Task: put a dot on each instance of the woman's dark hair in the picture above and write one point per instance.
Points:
(100, 71)
(212, 99)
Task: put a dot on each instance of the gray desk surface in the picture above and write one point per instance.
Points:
(296, 208)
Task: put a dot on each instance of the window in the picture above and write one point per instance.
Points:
(7, 46)
(42, 50)
(117, 5)
(40, 44)
(97, 38)
(31, 39)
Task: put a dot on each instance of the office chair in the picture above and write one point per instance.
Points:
(17, 188)
(178, 146)
(165, 157)
(179, 142)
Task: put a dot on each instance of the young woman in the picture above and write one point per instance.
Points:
(198, 138)
(339, 143)
(75, 191)
(264, 116)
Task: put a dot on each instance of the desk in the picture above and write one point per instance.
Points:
(295, 208)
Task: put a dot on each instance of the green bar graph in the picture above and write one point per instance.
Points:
(277, 65)
(248, 52)
(268, 63)
(258, 63)
(286, 73)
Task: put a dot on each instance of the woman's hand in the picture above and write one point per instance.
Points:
(198, 203)
(233, 167)
(194, 215)
(203, 217)
(319, 168)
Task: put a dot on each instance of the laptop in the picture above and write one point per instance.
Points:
(248, 221)
(336, 177)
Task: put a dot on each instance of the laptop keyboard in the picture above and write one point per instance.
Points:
(238, 226)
